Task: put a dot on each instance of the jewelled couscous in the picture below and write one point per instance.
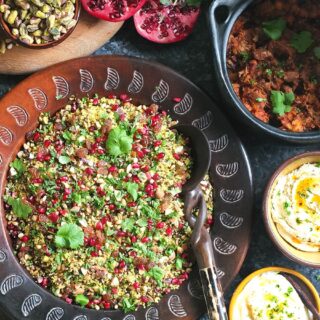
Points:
(93, 204)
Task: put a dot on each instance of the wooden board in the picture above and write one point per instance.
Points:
(90, 34)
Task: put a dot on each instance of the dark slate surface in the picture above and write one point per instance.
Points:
(193, 58)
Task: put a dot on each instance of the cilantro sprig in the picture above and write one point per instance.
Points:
(132, 189)
(281, 102)
(18, 165)
(82, 300)
(119, 142)
(19, 208)
(302, 41)
(274, 28)
(69, 236)
(157, 274)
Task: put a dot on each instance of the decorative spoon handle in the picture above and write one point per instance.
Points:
(203, 249)
(303, 296)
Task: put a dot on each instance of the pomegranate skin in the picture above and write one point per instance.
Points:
(165, 24)
(112, 10)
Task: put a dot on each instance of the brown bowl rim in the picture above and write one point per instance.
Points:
(265, 206)
(50, 44)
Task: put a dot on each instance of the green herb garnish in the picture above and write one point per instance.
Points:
(82, 300)
(119, 142)
(127, 224)
(316, 52)
(157, 274)
(128, 305)
(64, 159)
(274, 28)
(18, 165)
(261, 100)
(281, 102)
(132, 189)
(302, 41)
(245, 56)
(69, 236)
(19, 208)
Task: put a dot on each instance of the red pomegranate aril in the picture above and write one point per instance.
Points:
(145, 240)
(112, 206)
(121, 234)
(95, 101)
(36, 136)
(114, 290)
(210, 221)
(160, 225)
(112, 169)
(135, 165)
(133, 254)
(110, 95)
(41, 210)
(44, 282)
(94, 254)
(40, 157)
(46, 143)
(140, 154)
(122, 264)
(134, 239)
(132, 204)
(104, 220)
(175, 281)
(32, 199)
(145, 168)
(169, 231)
(177, 99)
(98, 247)
(64, 179)
(156, 177)
(160, 155)
(86, 241)
(89, 171)
(141, 267)
(92, 128)
(115, 107)
(157, 143)
(106, 305)
(24, 238)
(144, 299)
(65, 197)
(124, 97)
(99, 226)
(37, 181)
(11, 226)
(136, 179)
(54, 217)
(67, 191)
(100, 151)
(68, 301)
(92, 242)
(63, 212)
(177, 156)
(136, 285)
(47, 157)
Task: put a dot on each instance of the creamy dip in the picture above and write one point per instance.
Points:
(270, 296)
(295, 207)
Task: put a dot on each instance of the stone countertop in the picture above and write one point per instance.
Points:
(193, 59)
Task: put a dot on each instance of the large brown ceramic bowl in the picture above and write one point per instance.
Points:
(311, 259)
(7, 31)
(146, 82)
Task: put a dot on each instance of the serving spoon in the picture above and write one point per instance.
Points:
(200, 240)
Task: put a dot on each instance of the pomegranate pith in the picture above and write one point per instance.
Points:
(112, 10)
(165, 23)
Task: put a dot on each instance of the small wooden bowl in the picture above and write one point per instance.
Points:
(311, 259)
(303, 282)
(50, 44)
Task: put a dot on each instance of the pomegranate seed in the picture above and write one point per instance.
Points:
(132, 204)
(63, 212)
(175, 281)
(104, 220)
(64, 179)
(155, 120)
(40, 157)
(160, 155)
(46, 143)
(65, 197)
(176, 156)
(36, 136)
(176, 99)
(121, 234)
(11, 226)
(145, 240)
(89, 171)
(184, 276)
(112, 206)
(100, 151)
(86, 241)
(116, 270)
(32, 199)
(112, 96)
(145, 168)
(92, 242)
(115, 107)
(156, 176)
(122, 264)
(135, 165)
(68, 191)
(98, 247)
(54, 217)
(157, 143)
(133, 239)
(114, 290)
(141, 267)
(112, 169)
(132, 254)
(99, 226)
(44, 282)
(99, 139)
(47, 157)
(160, 225)
(140, 154)
(92, 128)
(89, 304)
(41, 210)
(181, 225)
(95, 101)
(169, 231)
(25, 239)
(37, 180)
(68, 300)
(184, 256)
(210, 221)
(124, 97)
(94, 254)
(144, 299)
(106, 305)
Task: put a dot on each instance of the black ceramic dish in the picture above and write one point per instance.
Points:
(222, 15)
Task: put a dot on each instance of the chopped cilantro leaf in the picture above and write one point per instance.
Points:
(281, 102)
(261, 100)
(18, 165)
(157, 274)
(132, 189)
(19, 208)
(128, 305)
(69, 236)
(64, 159)
(119, 142)
(274, 28)
(302, 41)
(82, 300)
(128, 224)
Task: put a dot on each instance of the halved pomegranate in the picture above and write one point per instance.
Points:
(165, 23)
(112, 10)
